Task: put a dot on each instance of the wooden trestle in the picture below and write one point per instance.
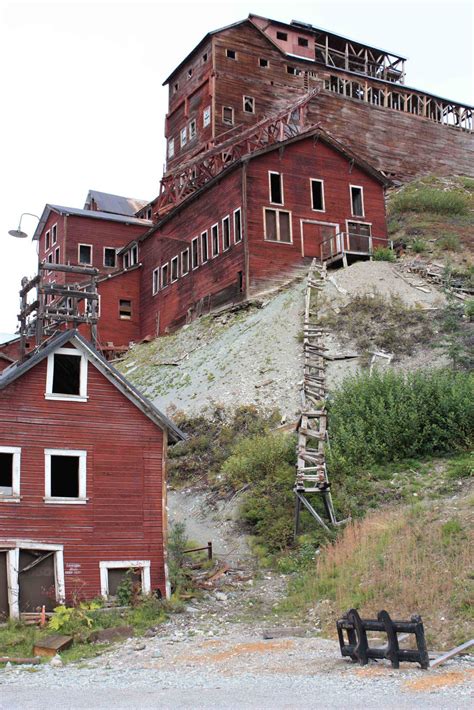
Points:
(311, 470)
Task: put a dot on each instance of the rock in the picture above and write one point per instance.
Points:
(150, 633)
(220, 596)
(56, 661)
(139, 647)
(191, 609)
(157, 654)
(115, 633)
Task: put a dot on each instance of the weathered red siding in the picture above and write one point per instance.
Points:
(112, 328)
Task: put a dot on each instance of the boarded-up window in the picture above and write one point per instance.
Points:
(277, 226)
(225, 233)
(67, 374)
(118, 575)
(204, 248)
(125, 309)
(276, 188)
(237, 226)
(317, 195)
(170, 147)
(357, 201)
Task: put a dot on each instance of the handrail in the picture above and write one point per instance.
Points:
(348, 242)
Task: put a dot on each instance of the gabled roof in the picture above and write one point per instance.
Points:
(115, 204)
(17, 370)
(59, 209)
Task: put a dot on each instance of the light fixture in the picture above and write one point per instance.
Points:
(17, 232)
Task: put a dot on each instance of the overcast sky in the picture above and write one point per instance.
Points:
(83, 106)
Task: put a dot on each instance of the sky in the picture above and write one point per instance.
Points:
(83, 104)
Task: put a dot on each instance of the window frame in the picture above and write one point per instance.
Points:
(174, 262)
(321, 182)
(164, 266)
(57, 254)
(303, 42)
(82, 473)
(192, 130)
(155, 281)
(358, 187)
(359, 221)
(282, 188)
(282, 36)
(226, 220)
(194, 266)
(14, 496)
(224, 120)
(239, 212)
(123, 317)
(85, 263)
(263, 66)
(54, 233)
(228, 56)
(277, 241)
(170, 148)
(183, 272)
(216, 253)
(248, 98)
(61, 396)
(183, 134)
(115, 257)
(206, 117)
(205, 234)
(143, 565)
(47, 240)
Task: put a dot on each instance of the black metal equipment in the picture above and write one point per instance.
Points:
(357, 647)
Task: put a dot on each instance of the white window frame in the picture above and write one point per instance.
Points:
(357, 216)
(155, 281)
(224, 120)
(143, 565)
(270, 173)
(239, 211)
(134, 255)
(61, 397)
(14, 496)
(192, 129)
(183, 136)
(183, 272)
(226, 219)
(194, 266)
(47, 240)
(264, 59)
(229, 49)
(311, 180)
(85, 263)
(56, 500)
(57, 255)
(13, 564)
(170, 147)
(166, 264)
(54, 233)
(358, 221)
(174, 260)
(213, 256)
(277, 241)
(205, 235)
(206, 117)
(250, 98)
(103, 258)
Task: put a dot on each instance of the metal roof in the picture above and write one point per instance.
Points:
(86, 213)
(7, 337)
(116, 204)
(16, 370)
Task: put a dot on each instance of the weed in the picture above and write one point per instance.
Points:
(384, 254)
(419, 246)
(469, 309)
(448, 241)
(416, 198)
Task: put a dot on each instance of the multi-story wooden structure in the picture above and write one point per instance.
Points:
(82, 494)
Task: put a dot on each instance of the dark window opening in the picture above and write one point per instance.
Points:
(56, 255)
(109, 257)
(6, 474)
(303, 42)
(276, 192)
(175, 87)
(215, 240)
(264, 63)
(125, 309)
(174, 269)
(67, 374)
(240, 281)
(126, 260)
(185, 262)
(317, 198)
(64, 476)
(118, 575)
(237, 226)
(204, 57)
(54, 234)
(47, 238)
(283, 36)
(190, 73)
(249, 104)
(294, 71)
(194, 253)
(85, 254)
(357, 203)
(164, 276)
(50, 258)
(230, 53)
(225, 233)
(204, 250)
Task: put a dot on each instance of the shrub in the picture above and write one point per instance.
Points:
(469, 309)
(384, 254)
(449, 241)
(419, 246)
(429, 199)
(177, 544)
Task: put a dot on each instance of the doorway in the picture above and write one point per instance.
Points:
(313, 234)
(36, 580)
(4, 606)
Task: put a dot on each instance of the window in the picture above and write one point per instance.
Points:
(85, 254)
(190, 73)
(215, 240)
(66, 376)
(125, 309)
(249, 104)
(155, 283)
(112, 573)
(170, 147)
(362, 229)
(54, 234)
(50, 258)
(204, 58)
(134, 255)
(283, 36)
(303, 42)
(206, 116)
(174, 269)
(126, 260)
(164, 275)
(275, 181)
(317, 195)
(294, 71)
(65, 476)
(195, 253)
(175, 88)
(237, 226)
(277, 226)
(183, 137)
(231, 54)
(264, 63)
(225, 233)
(185, 262)
(110, 257)
(204, 248)
(9, 472)
(357, 201)
(56, 255)
(192, 130)
(47, 242)
(228, 115)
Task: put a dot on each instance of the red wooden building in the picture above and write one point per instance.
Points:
(82, 492)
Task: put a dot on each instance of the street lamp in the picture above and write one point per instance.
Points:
(17, 232)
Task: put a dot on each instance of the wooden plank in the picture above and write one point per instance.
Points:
(454, 651)
(51, 645)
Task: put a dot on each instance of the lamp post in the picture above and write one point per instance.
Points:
(17, 232)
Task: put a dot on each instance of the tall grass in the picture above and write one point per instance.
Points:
(429, 199)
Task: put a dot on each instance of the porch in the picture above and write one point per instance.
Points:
(342, 245)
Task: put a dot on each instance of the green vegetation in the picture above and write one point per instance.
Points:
(419, 246)
(449, 241)
(421, 198)
(384, 254)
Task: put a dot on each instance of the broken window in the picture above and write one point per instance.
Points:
(204, 248)
(110, 257)
(65, 474)
(164, 275)
(230, 53)
(282, 35)
(155, 284)
(206, 116)
(192, 130)
(264, 63)
(183, 136)
(276, 188)
(215, 239)
(195, 253)
(171, 148)
(9, 471)
(66, 374)
(204, 58)
(249, 104)
(174, 269)
(303, 42)
(125, 309)
(85, 254)
(47, 240)
(190, 73)
(357, 201)
(317, 195)
(228, 115)
(277, 226)
(225, 233)
(294, 71)
(184, 262)
(237, 226)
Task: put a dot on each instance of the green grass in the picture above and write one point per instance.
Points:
(420, 198)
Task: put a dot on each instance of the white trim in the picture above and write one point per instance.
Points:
(173, 261)
(155, 281)
(170, 148)
(206, 235)
(358, 221)
(358, 187)
(54, 233)
(315, 221)
(195, 240)
(183, 137)
(168, 272)
(250, 98)
(239, 210)
(277, 241)
(47, 240)
(60, 396)
(280, 175)
(192, 135)
(311, 180)
(231, 109)
(14, 496)
(213, 256)
(143, 565)
(206, 117)
(107, 266)
(85, 263)
(183, 272)
(82, 455)
(224, 248)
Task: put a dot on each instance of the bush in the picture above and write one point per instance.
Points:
(177, 543)
(429, 199)
(449, 241)
(384, 254)
(469, 309)
(419, 246)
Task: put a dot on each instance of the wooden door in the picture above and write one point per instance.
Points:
(36, 580)
(314, 234)
(359, 236)
(3, 587)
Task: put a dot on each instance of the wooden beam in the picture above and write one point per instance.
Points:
(453, 652)
(68, 269)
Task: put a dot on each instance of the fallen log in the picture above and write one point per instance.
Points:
(15, 659)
